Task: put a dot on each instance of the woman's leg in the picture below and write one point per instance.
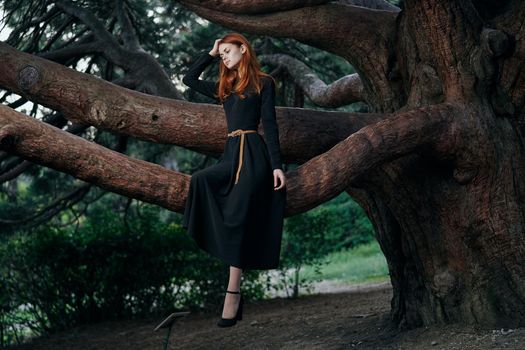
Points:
(231, 301)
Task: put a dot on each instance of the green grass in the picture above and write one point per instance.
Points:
(364, 263)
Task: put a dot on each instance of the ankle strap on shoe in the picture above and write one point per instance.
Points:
(229, 291)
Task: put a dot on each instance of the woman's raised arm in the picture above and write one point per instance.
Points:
(192, 80)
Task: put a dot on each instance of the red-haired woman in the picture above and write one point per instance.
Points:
(235, 208)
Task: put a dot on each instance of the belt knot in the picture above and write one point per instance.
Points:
(240, 132)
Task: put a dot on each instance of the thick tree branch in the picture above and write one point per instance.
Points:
(346, 90)
(335, 28)
(64, 201)
(87, 44)
(59, 150)
(16, 166)
(266, 6)
(15, 171)
(201, 127)
(256, 6)
(430, 129)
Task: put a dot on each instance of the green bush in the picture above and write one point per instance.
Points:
(55, 278)
(334, 226)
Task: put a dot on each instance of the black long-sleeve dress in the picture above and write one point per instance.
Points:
(238, 218)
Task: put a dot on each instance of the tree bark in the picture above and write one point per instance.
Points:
(43, 144)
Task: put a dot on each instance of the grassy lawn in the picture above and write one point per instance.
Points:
(364, 263)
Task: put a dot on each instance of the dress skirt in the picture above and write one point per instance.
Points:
(240, 223)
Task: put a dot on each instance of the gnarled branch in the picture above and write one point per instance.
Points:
(346, 90)
(73, 51)
(327, 175)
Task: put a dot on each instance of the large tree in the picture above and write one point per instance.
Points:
(438, 162)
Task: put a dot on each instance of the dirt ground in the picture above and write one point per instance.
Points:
(354, 319)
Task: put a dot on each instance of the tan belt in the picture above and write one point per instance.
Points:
(236, 133)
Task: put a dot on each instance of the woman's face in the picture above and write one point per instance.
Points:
(231, 54)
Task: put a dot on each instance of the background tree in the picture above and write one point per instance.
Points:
(435, 162)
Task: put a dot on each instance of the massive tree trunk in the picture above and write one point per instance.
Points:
(438, 164)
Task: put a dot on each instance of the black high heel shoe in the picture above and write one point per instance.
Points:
(228, 322)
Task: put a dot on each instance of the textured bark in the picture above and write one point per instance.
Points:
(454, 239)
(43, 144)
(509, 95)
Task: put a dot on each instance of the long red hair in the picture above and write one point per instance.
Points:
(249, 69)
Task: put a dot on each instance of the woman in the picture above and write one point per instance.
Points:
(235, 208)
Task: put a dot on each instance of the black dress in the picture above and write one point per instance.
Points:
(239, 222)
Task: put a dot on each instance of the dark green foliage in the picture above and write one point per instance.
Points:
(309, 237)
(104, 271)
